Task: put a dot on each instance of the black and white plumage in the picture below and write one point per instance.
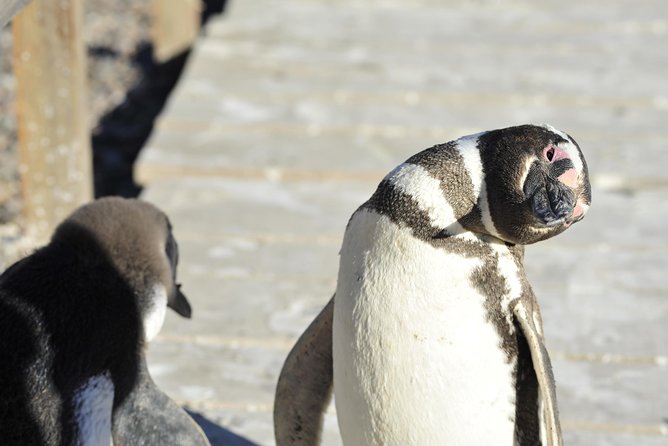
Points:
(75, 317)
(434, 335)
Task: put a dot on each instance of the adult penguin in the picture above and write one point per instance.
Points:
(434, 335)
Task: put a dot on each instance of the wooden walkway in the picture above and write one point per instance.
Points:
(289, 114)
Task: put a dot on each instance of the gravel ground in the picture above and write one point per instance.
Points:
(114, 33)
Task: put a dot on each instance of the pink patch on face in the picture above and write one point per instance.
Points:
(553, 153)
(569, 178)
(580, 209)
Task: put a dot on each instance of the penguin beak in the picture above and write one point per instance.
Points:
(552, 202)
(179, 303)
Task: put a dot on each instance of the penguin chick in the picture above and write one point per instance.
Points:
(434, 335)
(75, 318)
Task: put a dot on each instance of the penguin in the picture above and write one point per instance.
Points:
(75, 319)
(434, 335)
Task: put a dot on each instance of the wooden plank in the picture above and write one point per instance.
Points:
(8, 8)
(174, 28)
(53, 129)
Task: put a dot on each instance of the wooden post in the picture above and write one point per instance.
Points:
(174, 28)
(53, 129)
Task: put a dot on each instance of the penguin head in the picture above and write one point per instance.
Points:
(537, 182)
(137, 238)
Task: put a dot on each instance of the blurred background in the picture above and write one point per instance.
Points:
(284, 119)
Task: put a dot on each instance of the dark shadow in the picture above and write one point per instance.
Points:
(218, 435)
(212, 8)
(120, 134)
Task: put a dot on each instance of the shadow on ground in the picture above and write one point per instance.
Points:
(120, 135)
(218, 435)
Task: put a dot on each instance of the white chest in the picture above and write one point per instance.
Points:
(415, 360)
(155, 316)
(93, 404)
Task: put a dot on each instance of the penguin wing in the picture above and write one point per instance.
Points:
(543, 369)
(304, 387)
(148, 417)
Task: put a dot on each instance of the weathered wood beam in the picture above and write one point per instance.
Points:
(53, 127)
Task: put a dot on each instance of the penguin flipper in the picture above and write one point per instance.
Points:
(304, 387)
(543, 368)
(148, 417)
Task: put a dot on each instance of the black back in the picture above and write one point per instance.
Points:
(61, 312)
